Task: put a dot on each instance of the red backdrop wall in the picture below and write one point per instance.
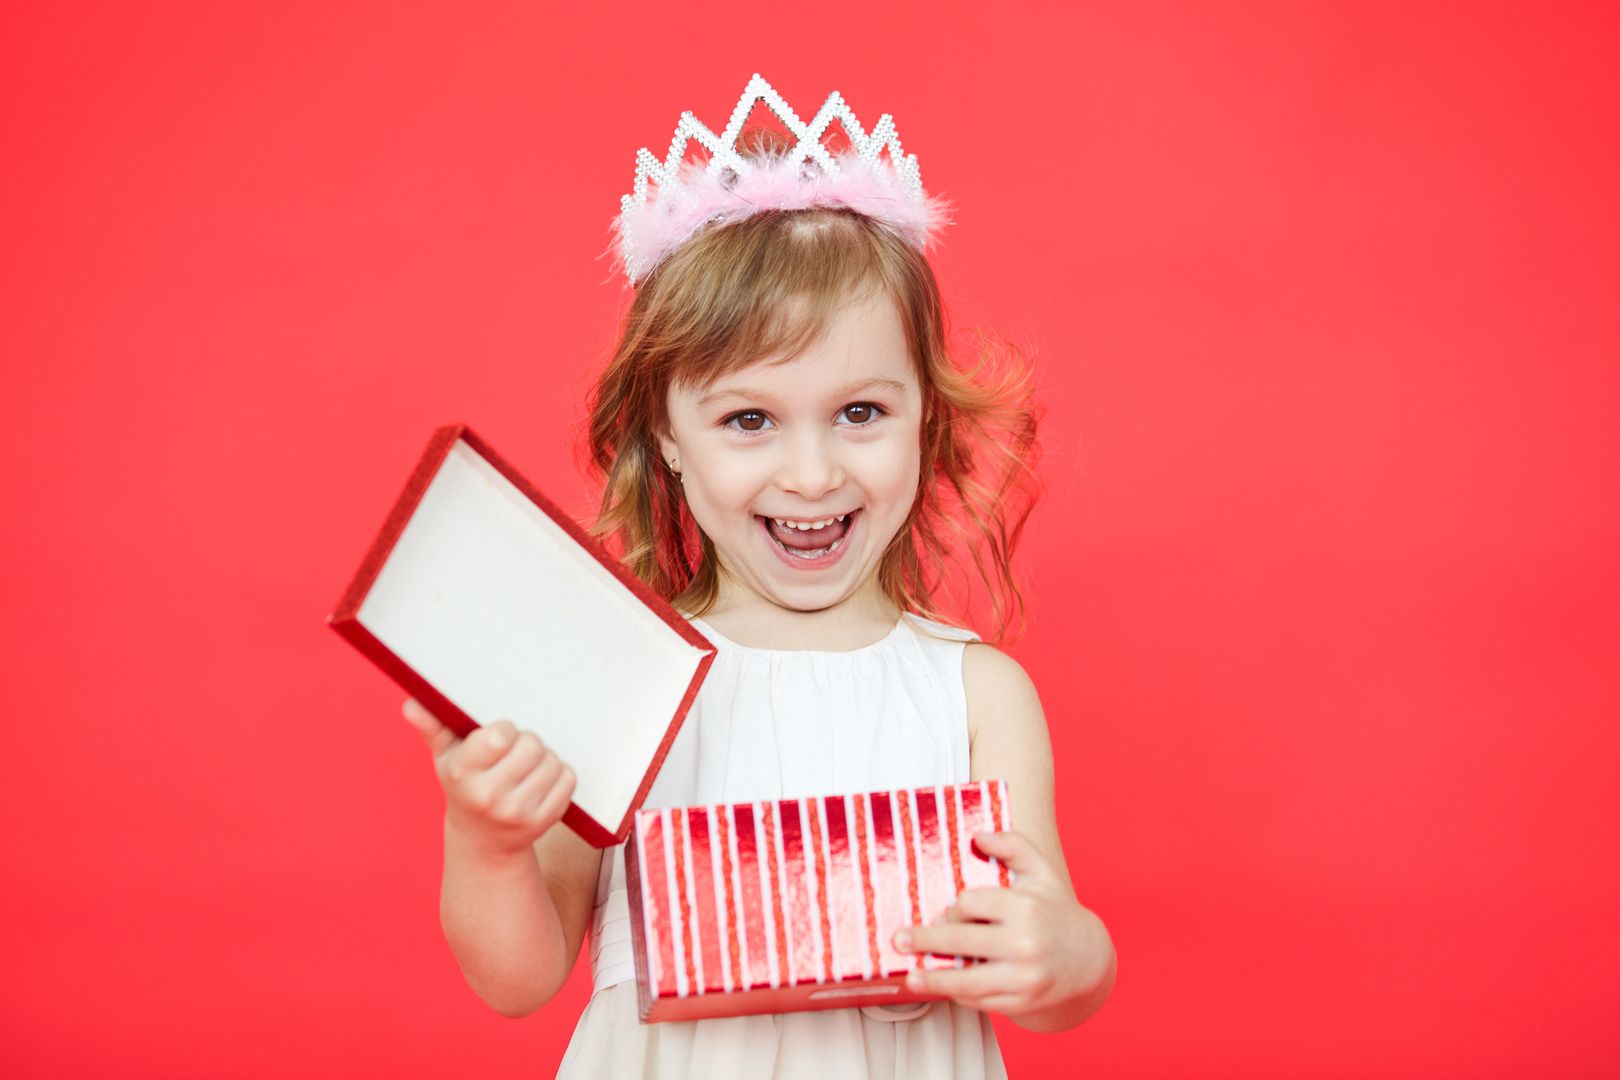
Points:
(1322, 597)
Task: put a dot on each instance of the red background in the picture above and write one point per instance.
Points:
(1323, 595)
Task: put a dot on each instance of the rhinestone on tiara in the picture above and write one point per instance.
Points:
(730, 187)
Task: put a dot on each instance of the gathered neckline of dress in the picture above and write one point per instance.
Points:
(721, 639)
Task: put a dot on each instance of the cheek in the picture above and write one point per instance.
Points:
(888, 485)
(716, 502)
(900, 474)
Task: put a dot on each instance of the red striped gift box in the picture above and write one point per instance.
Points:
(781, 906)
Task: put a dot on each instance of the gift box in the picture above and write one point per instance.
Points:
(783, 906)
(485, 601)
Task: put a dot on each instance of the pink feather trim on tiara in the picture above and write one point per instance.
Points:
(649, 230)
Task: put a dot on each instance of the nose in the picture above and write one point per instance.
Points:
(810, 466)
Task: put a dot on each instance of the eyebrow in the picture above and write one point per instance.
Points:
(890, 385)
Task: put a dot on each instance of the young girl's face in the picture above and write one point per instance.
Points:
(833, 433)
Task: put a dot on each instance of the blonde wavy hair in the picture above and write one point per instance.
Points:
(765, 286)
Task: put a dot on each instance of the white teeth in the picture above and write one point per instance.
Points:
(805, 526)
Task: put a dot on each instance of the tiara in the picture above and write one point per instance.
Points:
(730, 187)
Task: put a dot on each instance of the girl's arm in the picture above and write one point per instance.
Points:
(518, 886)
(1049, 962)
(515, 920)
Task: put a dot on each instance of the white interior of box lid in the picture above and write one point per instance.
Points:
(495, 605)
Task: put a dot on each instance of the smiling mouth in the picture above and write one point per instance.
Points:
(809, 544)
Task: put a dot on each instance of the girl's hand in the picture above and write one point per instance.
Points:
(502, 787)
(1040, 947)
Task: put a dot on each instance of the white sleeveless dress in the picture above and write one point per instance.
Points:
(782, 724)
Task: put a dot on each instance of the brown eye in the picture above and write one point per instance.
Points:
(862, 413)
(739, 419)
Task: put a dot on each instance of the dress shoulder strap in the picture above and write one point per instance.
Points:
(933, 627)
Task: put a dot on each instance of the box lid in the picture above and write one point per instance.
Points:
(485, 601)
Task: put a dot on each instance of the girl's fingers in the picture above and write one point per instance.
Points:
(974, 981)
(1006, 1004)
(438, 737)
(996, 904)
(556, 802)
(1016, 850)
(525, 794)
(479, 750)
(981, 940)
(525, 754)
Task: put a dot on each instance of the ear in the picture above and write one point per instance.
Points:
(666, 444)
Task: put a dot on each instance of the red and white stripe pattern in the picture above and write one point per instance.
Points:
(762, 895)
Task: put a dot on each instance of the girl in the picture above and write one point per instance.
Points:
(777, 433)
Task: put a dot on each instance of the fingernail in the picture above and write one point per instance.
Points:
(902, 940)
(914, 981)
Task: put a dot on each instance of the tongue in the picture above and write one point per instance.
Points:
(808, 539)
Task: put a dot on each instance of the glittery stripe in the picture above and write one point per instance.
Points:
(998, 811)
(889, 865)
(755, 953)
(862, 855)
(728, 928)
(782, 962)
(682, 878)
(912, 881)
(955, 840)
(824, 909)
(655, 886)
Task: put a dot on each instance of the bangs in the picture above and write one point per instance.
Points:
(764, 288)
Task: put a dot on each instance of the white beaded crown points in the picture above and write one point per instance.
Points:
(730, 186)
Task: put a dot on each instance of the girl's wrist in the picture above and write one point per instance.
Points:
(476, 844)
